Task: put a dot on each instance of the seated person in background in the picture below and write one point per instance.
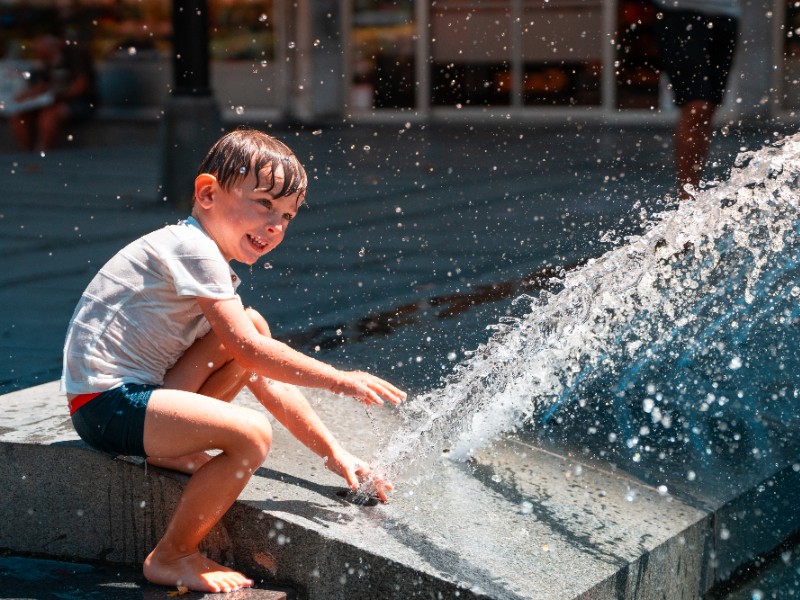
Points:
(66, 87)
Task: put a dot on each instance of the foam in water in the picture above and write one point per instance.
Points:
(696, 313)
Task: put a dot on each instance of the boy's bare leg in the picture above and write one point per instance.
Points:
(178, 424)
(207, 369)
(179, 427)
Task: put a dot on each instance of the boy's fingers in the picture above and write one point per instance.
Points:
(392, 395)
(371, 398)
(381, 488)
(352, 479)
(395, 398)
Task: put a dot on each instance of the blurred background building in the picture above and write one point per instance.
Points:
(308, 60)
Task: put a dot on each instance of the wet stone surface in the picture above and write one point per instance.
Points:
(25, 577)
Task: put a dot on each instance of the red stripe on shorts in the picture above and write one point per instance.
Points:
(80, 400)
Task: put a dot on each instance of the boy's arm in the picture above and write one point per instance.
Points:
(289, 406)
(292, 409)
(275, 360)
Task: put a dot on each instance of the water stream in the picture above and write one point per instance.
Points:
(683, 335)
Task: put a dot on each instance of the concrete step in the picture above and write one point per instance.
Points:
(519, 522)
(26, 577)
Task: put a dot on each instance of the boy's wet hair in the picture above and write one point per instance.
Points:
(239, 152)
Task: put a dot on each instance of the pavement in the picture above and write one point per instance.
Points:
(25, 577)
(432, 267)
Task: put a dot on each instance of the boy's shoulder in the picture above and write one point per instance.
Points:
(181, 237)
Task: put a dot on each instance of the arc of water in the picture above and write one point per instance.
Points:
(571, 337)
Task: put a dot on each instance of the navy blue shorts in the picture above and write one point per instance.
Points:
(696, 53)
(113, 421)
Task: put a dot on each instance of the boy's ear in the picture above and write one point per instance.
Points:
(204, 185)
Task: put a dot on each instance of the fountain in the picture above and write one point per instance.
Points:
(626, 429)
(696, 316)
(671, 357)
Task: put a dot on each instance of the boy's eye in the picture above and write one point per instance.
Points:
(266, 203)
(288, 216)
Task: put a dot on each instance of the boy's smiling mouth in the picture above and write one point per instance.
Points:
(258, 242)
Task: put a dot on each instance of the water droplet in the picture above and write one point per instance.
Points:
(240, 110)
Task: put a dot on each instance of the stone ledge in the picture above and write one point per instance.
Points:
(521, 522)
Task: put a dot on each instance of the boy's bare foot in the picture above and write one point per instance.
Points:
(195, 572)
(185, 464)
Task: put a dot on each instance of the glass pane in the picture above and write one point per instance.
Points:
(242, 44)
(791, 57)
(637, 56)
(242, 29)
(130, 41)
(136, 29)
(562, 52)
(383, 55)
(470, 53)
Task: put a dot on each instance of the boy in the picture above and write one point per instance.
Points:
(160, 343)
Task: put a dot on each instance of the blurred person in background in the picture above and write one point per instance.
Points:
(62, 89)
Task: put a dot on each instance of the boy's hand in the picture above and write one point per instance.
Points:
(367, 388)
(357, 472)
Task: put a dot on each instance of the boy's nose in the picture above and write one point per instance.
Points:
(275, 227)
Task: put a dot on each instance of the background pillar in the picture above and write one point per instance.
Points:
(191, 120)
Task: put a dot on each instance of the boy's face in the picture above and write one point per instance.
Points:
(245, 221)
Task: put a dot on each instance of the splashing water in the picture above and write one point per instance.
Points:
(694, 316)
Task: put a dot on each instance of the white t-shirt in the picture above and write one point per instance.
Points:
(139, 314)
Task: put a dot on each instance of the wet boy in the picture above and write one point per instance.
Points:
(160, 343)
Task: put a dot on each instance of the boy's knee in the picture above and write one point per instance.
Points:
(259, 431)
(259, 321)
